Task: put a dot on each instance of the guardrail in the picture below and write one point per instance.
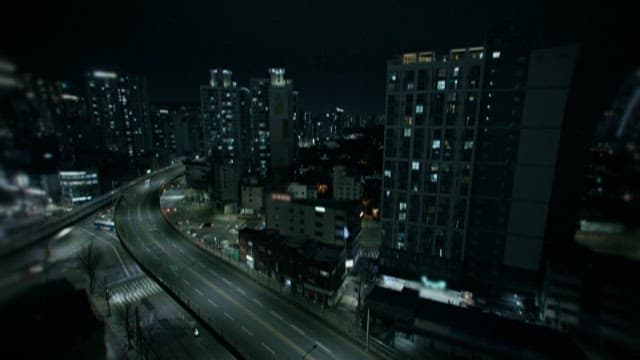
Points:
(335, 320)
(30, 236)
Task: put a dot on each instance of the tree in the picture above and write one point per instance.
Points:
(125, 315)
(90, 260)
(148, 334)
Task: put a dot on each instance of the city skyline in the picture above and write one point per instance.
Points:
(344, 44)
(327, 180)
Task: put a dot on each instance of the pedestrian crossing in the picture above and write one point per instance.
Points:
(134, 291)
(370, 253)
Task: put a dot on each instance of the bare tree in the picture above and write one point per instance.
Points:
(90, 260)
(125, 314)
(148, 334)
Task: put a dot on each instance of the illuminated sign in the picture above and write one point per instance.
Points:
(320, 209)
(281, 197)
(69, 97)
(433, 284)
(105, 74)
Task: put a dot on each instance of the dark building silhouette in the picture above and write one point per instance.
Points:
(471, 142)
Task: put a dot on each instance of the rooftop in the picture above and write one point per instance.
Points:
(425, 57)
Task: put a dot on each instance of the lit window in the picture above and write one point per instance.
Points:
(435, 144)
(415, 165)
(456, 71)
(402, 216)
(407, 132)
(403, 206)
(434, 178)
(387, 173)
(419, 109)
(495, 55)
(468, 145)
(393, 77)
(441, 85)
(388, 193)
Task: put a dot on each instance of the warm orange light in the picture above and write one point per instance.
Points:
(323, 188)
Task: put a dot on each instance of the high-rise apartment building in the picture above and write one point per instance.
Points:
(282, 109)
(222, 131)
(273, 112)
(471, 140)
(119, 105)
(259, 112)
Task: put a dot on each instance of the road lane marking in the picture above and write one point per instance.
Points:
(276, 314)
(298, 330)
(257, 302)
(226, 281)
(212, 303)
(112, 247)
(241, 291)
(268, 348)
(247, 331)
(199, 292)
(186, 281)
(220, 291)
(227, 315)
(324, 347)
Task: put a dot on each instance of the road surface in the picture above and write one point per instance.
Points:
(251, 318)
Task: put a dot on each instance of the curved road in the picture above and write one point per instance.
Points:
(254, 320)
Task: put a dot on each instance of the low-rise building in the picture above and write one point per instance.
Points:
(198, 174)
(331, 222)
(346, 186)
(301, 191)
(305, 265)
(251, 194)
(78, 187)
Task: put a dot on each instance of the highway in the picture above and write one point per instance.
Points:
(172, 326)
(252, 319)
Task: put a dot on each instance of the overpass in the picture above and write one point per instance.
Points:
(32, 235)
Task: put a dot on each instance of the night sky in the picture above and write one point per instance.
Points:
(336, 51)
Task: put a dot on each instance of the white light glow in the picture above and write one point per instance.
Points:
(320, 209)
(105, 74)
(69, 97)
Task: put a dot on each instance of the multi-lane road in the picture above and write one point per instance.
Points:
(251, 318)
(57, 258)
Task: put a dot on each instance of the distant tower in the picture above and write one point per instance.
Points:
(119, 105)
(281, 122)
(223, 128)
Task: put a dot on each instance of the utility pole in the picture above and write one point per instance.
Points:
(367, 342)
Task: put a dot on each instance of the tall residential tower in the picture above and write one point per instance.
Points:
(471, 140)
